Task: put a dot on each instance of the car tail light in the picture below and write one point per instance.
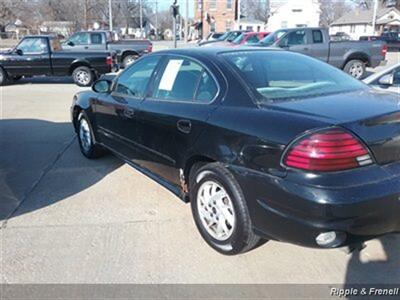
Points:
(149, 48)
(109, 61)
(384, 50)
(327, 150)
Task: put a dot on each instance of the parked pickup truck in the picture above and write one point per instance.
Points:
(42, 55)
(351, 56)
(127, 50)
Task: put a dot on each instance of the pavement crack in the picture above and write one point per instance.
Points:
(43, 173)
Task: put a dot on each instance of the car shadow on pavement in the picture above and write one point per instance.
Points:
(45, 80)
(42, 158)
(378, 263)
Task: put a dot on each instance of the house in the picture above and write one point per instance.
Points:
(250, 24)
(359, 22)
(293, 13)
(64, 28)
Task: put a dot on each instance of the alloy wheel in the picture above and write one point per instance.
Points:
(216, 210)
(84, 135)
(357, 70)
(82, 77)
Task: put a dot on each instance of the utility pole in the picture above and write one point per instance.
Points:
(141, 18)
(110, 21)
(187, 21)
(238, 14)
(156, 20)
(374, 17)
(174, 13)
(202, 17)
(85, 14)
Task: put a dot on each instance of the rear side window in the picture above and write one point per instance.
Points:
(253, 39)
(95, 38)
(185, 80)
(317, 36)
(133, 81)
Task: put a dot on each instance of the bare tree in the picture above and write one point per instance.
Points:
(7, 13)
(257, 9)
(332, 10)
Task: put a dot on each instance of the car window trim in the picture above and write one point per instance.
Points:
(168, 57)
(114, 93)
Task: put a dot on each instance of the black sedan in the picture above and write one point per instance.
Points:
(265, 144)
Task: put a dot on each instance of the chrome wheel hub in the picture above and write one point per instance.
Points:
(216, 210)
(82, 77)
(84, 135)
(356, 70)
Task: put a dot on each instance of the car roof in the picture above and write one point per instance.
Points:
(41, 36)
(213, 51)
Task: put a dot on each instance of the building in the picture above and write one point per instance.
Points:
(214, 15)
(359, 23)
(293, 13)
(250, 24)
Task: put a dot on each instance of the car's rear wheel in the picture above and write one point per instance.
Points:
(83, 76)
(128, 60)
(220, 211)
(87, 144)
(355, 68)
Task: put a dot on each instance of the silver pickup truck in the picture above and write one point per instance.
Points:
(351, 56)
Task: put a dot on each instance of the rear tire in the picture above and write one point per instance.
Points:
(87, 144)
(220, 210)
(128, 60)
(355, 68)
(83, 76)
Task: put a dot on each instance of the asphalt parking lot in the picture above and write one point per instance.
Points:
(66, 219)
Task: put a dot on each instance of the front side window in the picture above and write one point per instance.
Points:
(212, 4)
(285, 75)
(253, 39)
(229, 4)
(133, 81)
(81, 38)
(294, 38)
(185, 80)
(33, 46)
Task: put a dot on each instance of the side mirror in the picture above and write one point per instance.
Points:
(69, 43)
(102, 86)
(19, 52)
(387, 80)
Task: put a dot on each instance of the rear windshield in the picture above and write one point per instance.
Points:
(281, 75)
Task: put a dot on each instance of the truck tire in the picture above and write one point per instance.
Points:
(129, 59)
(3, 77)
(220, 210)
(356, 68)
(83, 76)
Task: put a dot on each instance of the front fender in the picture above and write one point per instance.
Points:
(83, 101)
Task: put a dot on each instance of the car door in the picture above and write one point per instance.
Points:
(319, 48)
(296, 41)
(31, 57)
(116, 113)
(174, 114)
(77, 42)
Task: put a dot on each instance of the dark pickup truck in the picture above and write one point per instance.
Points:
(127, 50)
(42, 55)
(351, 56)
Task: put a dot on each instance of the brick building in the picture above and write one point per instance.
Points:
(215, 15)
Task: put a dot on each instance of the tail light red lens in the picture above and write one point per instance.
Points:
(327, 150)
(109, 61)
(149, 48)
(384, 50)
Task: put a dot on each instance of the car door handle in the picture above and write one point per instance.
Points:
(129, 113)
(86, 47)
(184, 126)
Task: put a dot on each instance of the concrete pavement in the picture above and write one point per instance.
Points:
(66, 219)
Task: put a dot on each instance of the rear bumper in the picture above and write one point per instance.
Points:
(296, 210)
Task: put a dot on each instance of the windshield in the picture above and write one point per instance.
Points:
(281, 75)
(273, 37)
(239, 39)
(224, 36)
